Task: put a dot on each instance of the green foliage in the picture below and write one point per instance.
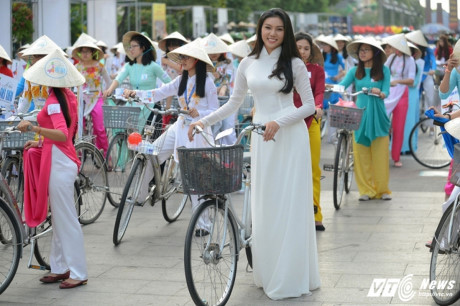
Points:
(77, 21)
(22, 25)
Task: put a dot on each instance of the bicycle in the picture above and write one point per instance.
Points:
(166, 182)
(345, 119)
(445, 246)
(211, 254)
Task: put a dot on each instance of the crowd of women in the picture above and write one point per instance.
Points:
(285, 73)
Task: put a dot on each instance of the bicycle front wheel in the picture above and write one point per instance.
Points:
(128, 200)
(348, 179)
(427, 146)
(93, 182)
(10, 245)
(339, 170)
(445, 259)
(119, 161)
(210, 254)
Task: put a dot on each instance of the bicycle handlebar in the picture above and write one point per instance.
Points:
(364, 90)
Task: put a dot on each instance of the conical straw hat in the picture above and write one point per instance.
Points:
(328, 40)
(417, 38)
(399, 42)
(352, 47)
(214, 45)
(42, 46)
(227, 38)
(54, 70)
(126, 39)
(195, 50)
(252, 40)
(174, 35)
(240, 48)
(453, 127)
(100, 43)
(119, 48)
(339, 37)
(456, 53)
(4, 55)
(418, 52)
(317, 55)
(84, 37)
(86, 44)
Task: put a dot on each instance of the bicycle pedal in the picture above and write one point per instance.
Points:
(328, 167)
(37, 267)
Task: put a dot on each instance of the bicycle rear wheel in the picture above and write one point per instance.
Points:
(349, 170)
(171, 182)
(93, 182)
(339, 170)
(128, 200)
(210, 272)
(12, 172)
(10, 245)
(427, 146)
(445, 259)
(42, 248)
(119, 161)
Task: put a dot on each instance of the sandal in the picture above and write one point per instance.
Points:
(398, 164)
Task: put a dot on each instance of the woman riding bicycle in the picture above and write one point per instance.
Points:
(197, 94)
(371, 140)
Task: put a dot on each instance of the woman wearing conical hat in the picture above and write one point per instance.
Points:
(402, 68)
(197, 94)
(333, 65)
(413, 110)
(313, 59)
(34, 95)
(4, 61)
(50, 167)
(89, 55)
(418, 39)
(371, 140)
(349, 61)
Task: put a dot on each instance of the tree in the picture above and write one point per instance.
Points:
(22, 25)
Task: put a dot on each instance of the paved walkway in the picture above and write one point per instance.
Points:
(362, 241)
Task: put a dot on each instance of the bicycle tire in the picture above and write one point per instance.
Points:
(118, 163)
(93, 182)
(12, 172)
(127, 202)
(427, 147)
(171, 183)
(446, 259)
(348, 179)
(42, 248)
(77, 198)
(208, 266)
(11, 247)
(176, 212)
(339, 177)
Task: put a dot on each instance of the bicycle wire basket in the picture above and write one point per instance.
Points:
(211, 170)
(115, 117)
(455, 175)
(15, 140)
(342, 117)
(151, 143)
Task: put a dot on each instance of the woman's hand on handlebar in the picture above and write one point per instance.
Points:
(127, 93)
(193, 112)
(106, 93)
(191, 129)
(437, 113)
(319, 113)
(270, 130)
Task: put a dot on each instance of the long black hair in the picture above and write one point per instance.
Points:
(63, 103)
(149, 54)
(334, 55)
(288, 48)
(201, 75)
(377, 65)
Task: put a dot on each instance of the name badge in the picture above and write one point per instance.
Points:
(309, 74)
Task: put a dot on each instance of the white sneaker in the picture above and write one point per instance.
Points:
(364, 197)
(386, 197)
